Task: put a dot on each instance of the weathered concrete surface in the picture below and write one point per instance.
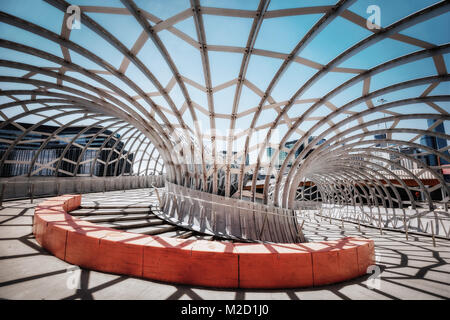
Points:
(412, 269)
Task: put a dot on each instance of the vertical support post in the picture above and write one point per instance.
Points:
(31, 192)
(432, 234)
(157, 196)
(2, 194)
(405, 225)
(379, 222)
(346, 214)
(264, 224)
(214, 216)
(300, 232)
(419, 222)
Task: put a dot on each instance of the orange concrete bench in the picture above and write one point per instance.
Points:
(196, 262)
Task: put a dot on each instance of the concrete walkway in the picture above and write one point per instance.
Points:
(412, 269)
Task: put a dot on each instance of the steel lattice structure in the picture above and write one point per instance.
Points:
(334, 159)
(133, 141)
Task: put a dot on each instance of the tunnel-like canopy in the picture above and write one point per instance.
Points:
(276, 101)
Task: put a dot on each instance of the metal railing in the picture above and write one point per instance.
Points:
(35, 187)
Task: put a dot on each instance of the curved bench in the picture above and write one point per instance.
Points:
(196, 262)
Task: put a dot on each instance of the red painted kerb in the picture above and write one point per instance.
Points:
(196, 262)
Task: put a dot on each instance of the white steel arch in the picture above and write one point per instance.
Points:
(330, 150)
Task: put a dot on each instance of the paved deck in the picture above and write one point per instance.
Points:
(412, 269)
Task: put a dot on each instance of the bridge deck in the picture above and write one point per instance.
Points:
(412, 269)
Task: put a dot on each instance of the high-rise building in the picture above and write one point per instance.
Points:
(237, 161)
(439, 142)
(19, 158)
(434, 143)
(380, 137)
(429, 141)
(289, 145)
(403, 161)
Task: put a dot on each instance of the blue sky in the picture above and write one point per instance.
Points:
(276, 34)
